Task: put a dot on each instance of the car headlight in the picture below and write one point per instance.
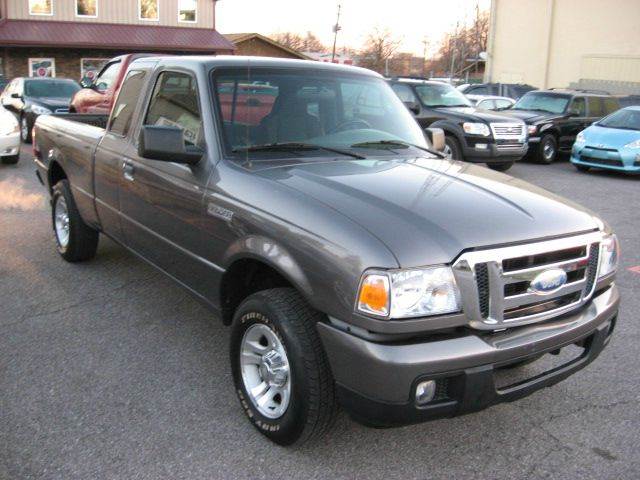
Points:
(634, 144)
(532, 129)
(409, 293)
(38, 110)
(476, 129)
(609, 253)
(580, 138)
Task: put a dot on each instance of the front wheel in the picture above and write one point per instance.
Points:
(75, 240)
(500, 167)
(280, 370)
(12, 160)
(547, 150)
(25, 130)
(452, 149)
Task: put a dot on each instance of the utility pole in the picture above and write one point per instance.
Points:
(453, 51)
(336, 29)
(425, 42)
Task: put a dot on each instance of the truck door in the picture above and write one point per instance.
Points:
(108, 161)
(163, 202)
(570, 126)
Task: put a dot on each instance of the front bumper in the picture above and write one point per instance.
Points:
(376, 382)
(9, 145)
(626, 160)
(492, 153)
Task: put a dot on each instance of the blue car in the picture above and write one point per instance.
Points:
(613, 143)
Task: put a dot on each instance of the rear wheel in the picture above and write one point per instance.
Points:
(281, 373)
(75, 240)
(547, 150)
(500, 167)
(452, 149)
(11, 160)
(25, 130)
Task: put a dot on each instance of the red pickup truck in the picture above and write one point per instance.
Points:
(98, 94)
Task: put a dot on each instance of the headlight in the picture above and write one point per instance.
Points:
(609, 252)
(409, 293)
(38, 110)
(532, 129)
(580, 138)
(634, 144)
(476, 129)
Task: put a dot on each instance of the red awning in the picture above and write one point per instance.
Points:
(41, 33)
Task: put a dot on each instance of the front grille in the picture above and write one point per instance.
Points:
(508, 131)
(496, 284)
(509, 144)
(602, 161)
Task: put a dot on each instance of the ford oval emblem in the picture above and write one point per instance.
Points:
(549, 281)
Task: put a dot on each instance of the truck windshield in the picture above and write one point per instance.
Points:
(50, 88)
(263, 109)
(545, 102)
(441, 95)
(622, 119)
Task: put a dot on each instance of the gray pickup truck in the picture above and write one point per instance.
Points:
(355, 265)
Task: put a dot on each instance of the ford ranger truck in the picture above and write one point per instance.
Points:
(354, 264)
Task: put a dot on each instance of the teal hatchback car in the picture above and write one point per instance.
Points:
(613, 143)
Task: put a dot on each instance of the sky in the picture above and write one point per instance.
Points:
(409, 20)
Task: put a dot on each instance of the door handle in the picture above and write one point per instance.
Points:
(127, 170)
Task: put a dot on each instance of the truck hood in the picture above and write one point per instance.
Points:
(472, 114)
(427, 211)
(603, 137)
(532, 117)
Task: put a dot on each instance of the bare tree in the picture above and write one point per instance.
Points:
(378, 49)
(299, 43)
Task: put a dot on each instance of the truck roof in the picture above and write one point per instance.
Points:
(246, 61)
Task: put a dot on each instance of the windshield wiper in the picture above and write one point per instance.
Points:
(393, 143)
(294, 146)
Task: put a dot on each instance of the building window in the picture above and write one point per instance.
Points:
(187, 11)
(149, 10)
(40, 7)
(87, 8)
(42, 67)
(90, 67)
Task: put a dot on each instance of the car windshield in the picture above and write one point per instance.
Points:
(545, 102)
(623, 119)
(50, 88)
(271, 112)
(441, 95)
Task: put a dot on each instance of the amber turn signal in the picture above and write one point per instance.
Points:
(374, 295)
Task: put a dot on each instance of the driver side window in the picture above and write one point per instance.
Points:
(579, 107)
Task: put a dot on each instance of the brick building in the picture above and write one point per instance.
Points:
(73, 38)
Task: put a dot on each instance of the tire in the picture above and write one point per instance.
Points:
(500, 167)
(12, 160)
(452, 148)
(547, 150)
(77, 242)
(25, 129)
(582, 168)
(311, 406)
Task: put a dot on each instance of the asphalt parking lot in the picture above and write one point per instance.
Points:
(109, 370)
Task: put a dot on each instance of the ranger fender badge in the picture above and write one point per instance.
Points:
(219, 212)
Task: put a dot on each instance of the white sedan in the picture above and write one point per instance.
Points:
(9, 138)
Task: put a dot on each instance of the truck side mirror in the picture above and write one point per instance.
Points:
(436, 137)
(16, 95)
(413, 107)
(166, 144)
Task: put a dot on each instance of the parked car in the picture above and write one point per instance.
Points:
(97, 94)
(27, 98)
(352, 262)
(9, 138)
(3, 83)
(613, 143)
(510, 90)
(491, 102)
(555, 117)
(472, 135)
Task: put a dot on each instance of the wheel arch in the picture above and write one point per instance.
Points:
(56, 173)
